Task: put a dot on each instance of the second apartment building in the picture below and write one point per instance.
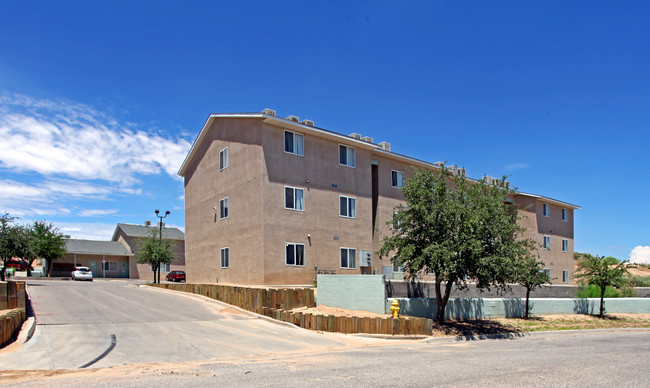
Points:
(269, 199)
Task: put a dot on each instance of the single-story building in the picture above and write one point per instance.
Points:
(106, 259)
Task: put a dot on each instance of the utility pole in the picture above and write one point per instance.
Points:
(159, 224)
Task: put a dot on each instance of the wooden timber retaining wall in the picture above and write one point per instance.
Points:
(276, 303)
(12, 309)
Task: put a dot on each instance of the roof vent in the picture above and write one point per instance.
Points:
(147, 223)
(355, 136)
(308, 122)
(293, 118)
(269, 112)
(367, 139)
(384, 145)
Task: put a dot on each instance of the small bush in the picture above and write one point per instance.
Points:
(593, 291)
(640, 281)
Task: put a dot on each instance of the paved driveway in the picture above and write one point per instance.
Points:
(112, 322)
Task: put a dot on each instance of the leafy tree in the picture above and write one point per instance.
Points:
(601, 272)
(530, 274)
(25, 245)
(9, 241)
(47, 243)
(155, 251)
(457, 230)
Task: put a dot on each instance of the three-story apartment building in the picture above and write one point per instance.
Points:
(267, 200)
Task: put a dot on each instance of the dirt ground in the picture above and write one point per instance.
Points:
(338, 312)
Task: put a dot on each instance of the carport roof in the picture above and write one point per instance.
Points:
(94, 247)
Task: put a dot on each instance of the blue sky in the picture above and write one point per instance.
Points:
(100, 101)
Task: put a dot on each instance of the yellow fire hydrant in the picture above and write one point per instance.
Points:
(394, 308)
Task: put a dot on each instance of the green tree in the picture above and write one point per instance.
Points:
(25, 245)
(601, 272)
(457, 230)
(530, 274)
(155, 251)
(48, 243)
(9, 241)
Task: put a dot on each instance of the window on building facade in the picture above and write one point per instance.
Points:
(223, 159)
(546, 210)
(547, 242)
(110, 266)
(165, 267)
(547, 272)
(348, 258)
(223, 208)
(347, 156)
(294, 198)
(295, 254)
(347, 207)
(565, 215)
(225, 257)
(398, 268)
(565, 276)
(293, 143)
(565, 245)
(397, 178)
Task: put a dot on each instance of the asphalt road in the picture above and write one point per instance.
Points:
(113, 322)
(240, 350)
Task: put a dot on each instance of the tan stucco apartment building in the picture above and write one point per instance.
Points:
(268, 199)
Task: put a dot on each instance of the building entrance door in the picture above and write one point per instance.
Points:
(93, 267)
(124, 270)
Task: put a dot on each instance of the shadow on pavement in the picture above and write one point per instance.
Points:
(478, 330)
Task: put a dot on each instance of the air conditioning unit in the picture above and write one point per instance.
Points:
(308, 122)
(385, 145)
(453, 169)
(269, 112)
(439, 164)
(368, 139)
(366, 259)
(355, 136)
(293, 118)
(461, 171)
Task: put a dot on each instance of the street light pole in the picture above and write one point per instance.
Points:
(160, 224)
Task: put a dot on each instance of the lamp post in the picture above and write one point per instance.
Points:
(160, 224)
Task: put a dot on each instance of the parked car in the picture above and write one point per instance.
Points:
(176, 276)
(82, 273)
(19, 265)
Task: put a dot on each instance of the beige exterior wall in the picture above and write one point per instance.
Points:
(259, 227)
(94, 262)
(205, 185)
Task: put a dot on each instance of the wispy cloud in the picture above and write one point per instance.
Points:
(516, 166)
(86, 231)
(62, 138)
(97, 212)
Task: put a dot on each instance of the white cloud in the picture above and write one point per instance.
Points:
(62, 138)
(517, 166)
(97, 212)
(86, 231)
(640, 255)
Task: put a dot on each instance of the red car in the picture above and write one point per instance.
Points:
(176, 276)
(19, 265)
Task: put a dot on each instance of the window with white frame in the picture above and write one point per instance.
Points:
(547, 272)
(547, 242)
(223, 159)
(347, 207)
(398, 268)
(225, 257)
(565, 245)
(165, 267)
(397, 178)
(546, 210)
(565, 276)
(348, 258)
(565, 215)
(347, 156)
(223, 208)
(294, 198)
(293, 143)
(110, 266)
(294, 254)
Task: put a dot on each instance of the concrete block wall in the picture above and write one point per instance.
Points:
(486, 308)
(352, 292)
